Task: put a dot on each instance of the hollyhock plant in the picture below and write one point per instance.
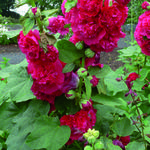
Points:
(123, 2)
(80, 122)
(84, 22)
(132, 77)
(29, 44)
(145, 4)
(56, 24)
(142, 33)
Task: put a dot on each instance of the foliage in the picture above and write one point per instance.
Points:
(50, 4)
(135, 10)
(104, 109)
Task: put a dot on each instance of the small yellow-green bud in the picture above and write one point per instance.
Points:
(71, 94)
(88, 147)
(80, 45)
(82, 72)
(96, 134)
(99, 145)
(89, 53)
(91, 139)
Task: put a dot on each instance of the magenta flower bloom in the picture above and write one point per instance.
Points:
(145, 4)
(29, 44)
(79, 123)
(34, 10)
(56, 24)
(142, 33)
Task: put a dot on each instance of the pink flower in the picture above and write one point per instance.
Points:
(56, 24)
(132, 76)
(29, 44)
(122, 141)
(145, 4)
(94, 81)
(90, 7)
(123, 2)
(2, 79)
(142, 32)
(125, 140)
(80, 122)
(74, 39)
(34, 10)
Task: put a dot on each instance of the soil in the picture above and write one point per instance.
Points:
(106, 58)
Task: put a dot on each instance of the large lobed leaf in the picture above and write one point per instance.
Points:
(68, 53)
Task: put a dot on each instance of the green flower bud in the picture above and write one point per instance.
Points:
(96, 134)
(99, 145)
(71, 94)
(89, 53)
(82, 72)
(80, 45)
(86, 135)
(91, 139)
(88, 148)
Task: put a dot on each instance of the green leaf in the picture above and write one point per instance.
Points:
(12, 33)
(109, 100)
(4, 73)
(135, 145)
(123, 127)
(70, 4)
(68, 53)
(99, 72)
(64, 105)
(47, 13)
(48, 134)
(109, 144)
(9, 111)
(28, 25)
(138, 84)
(19, 85)
(130, 51)
(113, 85)
(25, 123)
(68, 67)
(101, 87)
(144, 72)
(88, 87)
(67, 25)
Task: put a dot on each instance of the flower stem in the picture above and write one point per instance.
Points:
(39, 23)
(143, 136)
(145, 60)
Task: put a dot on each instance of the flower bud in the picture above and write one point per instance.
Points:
(71, 94)
(91, 139)
(96, 134)
(80, 45)
(82, 72)
(88, 147)
(34, 12)
(99, 145)
(89, 53)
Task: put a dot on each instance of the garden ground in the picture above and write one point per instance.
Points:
(13, 52)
